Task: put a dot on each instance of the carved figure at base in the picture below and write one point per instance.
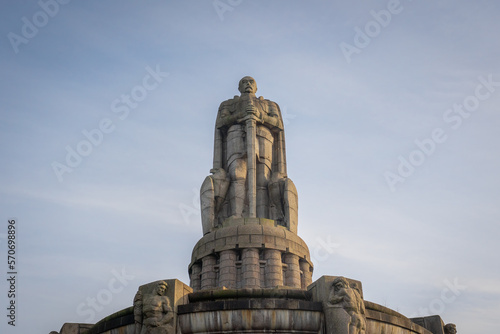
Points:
(153, 313)
(450, 329)
(349, 298)
(249, 170)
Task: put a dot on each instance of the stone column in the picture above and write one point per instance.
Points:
(306, 274)
(274, 268)
(292, 273)
(250, 268)
(208, 274)
(227, 269)
(196, 277)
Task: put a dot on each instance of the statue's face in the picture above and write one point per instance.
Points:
(161, 289)
(339, 285)
(451, 329)
(247, 85)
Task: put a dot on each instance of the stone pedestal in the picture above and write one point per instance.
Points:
(270, 256)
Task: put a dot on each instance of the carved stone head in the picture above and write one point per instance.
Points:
(340, 283)
(450, 329)
(247, 85)
(161, 288)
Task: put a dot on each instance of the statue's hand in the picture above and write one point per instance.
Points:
(252, 114)
(252, 110)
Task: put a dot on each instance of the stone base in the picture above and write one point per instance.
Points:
(251, 316)
(278, 310)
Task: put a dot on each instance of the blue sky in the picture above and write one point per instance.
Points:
(391, 120)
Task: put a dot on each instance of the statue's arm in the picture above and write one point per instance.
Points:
(168, 314)
(220, 122)
(273, 117)
(225, 117)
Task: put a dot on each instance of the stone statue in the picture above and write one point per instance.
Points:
(450, 329)
(349, 298)
(153, 313)
(249, 171)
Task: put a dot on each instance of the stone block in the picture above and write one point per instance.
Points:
(249, 229)
(208, 237)
(232, 240)
(256, 239)
(226, 232)
(433, 323)
(251, 275)
(209, 246)
(269, 241)
(280, 243)
(252, 221)
(220, 243)
(227, 270)
(274, 231)
(74, 328)
(243, 239)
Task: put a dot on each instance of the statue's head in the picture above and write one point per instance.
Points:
(247, 85)
(450, 329)
(340, 283)
(161, 287)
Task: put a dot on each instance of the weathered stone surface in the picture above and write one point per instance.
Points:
(346, 296)
(248, 204)
(250, 271)
(252, 316)
(259, 271)
(320, 289)
(380, 319)
(155, 306)
(450, 329)
(121, 321)
(433, 323)
(73, 328)
(249, 176)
